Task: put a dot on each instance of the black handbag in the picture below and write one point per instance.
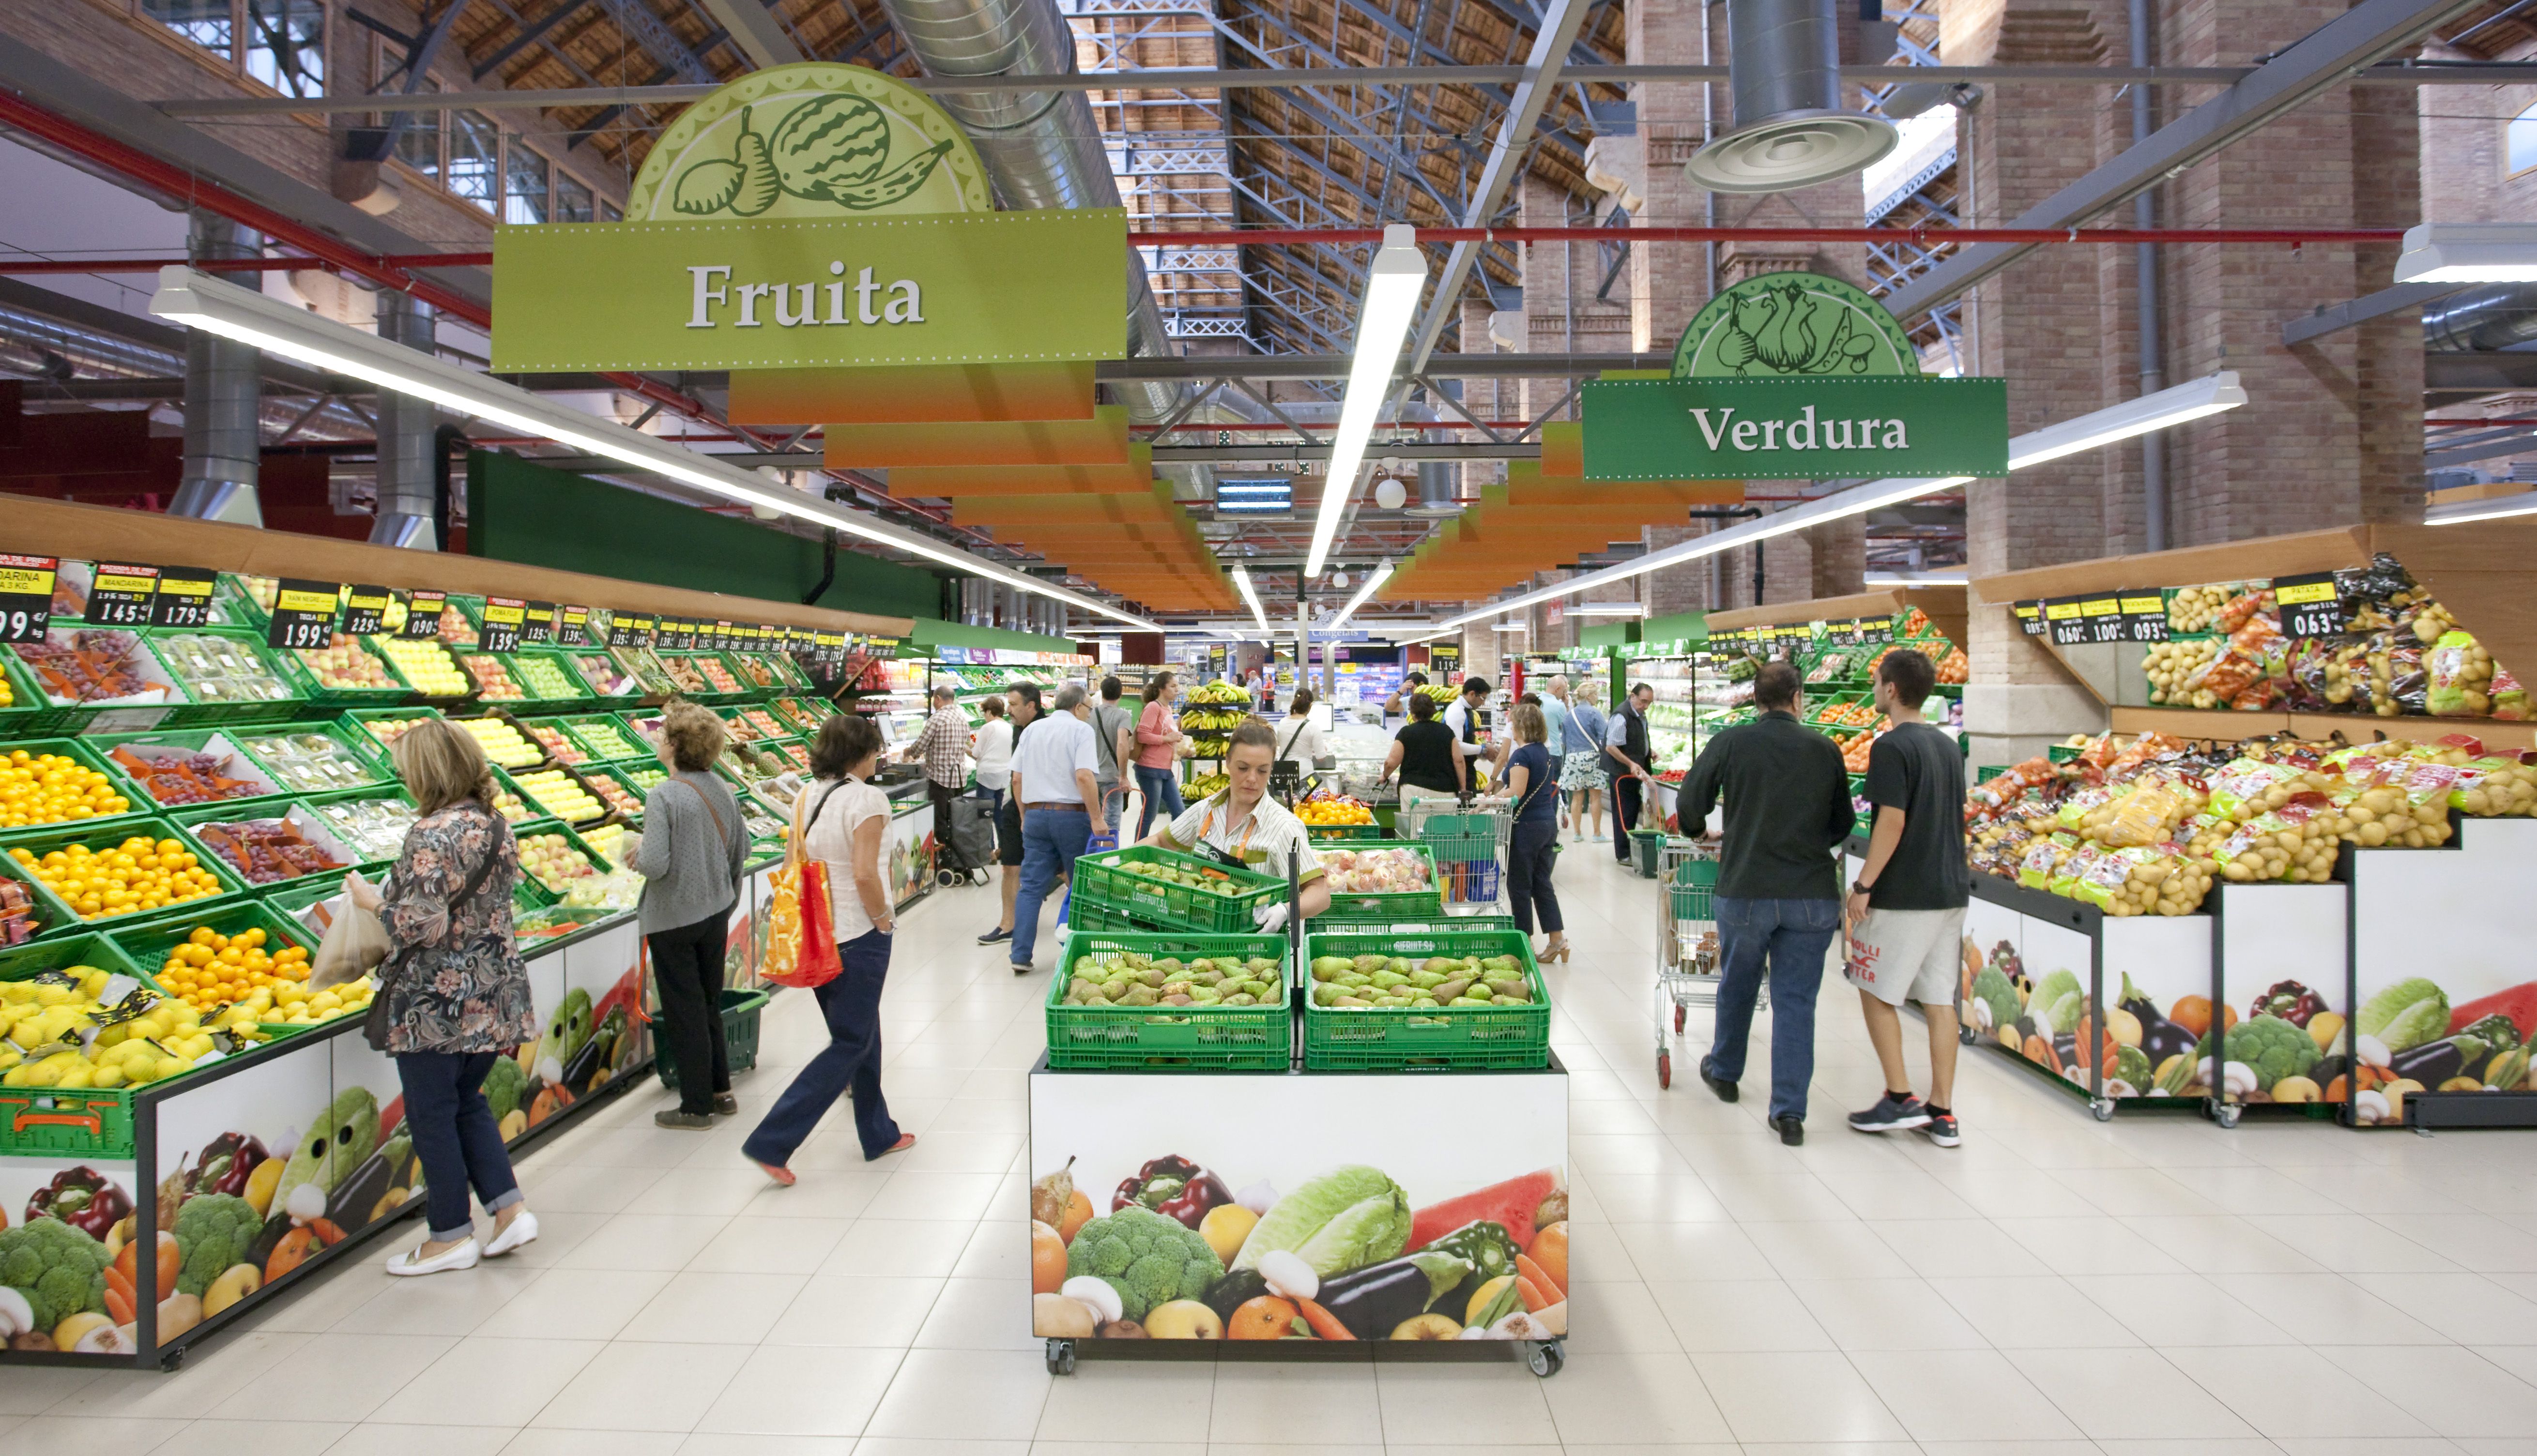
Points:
(375, 1026)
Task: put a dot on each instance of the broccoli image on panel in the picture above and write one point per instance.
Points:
(2272, 1049)
(1148, 1258)
(213, 1232)
(59, 1269)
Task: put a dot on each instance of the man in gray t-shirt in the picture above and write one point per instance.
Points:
(1109, 721)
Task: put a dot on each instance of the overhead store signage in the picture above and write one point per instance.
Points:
(365, 611)
(1795, 375)
(303, 613)
(121, 595)
(27, 597)
(423, 613)
(1815, 428)
(185, 597)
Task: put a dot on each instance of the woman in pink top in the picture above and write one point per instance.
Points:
(1159, 741)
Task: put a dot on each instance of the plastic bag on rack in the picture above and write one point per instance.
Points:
(2460, 678)
(2066, 877)
(355, 944)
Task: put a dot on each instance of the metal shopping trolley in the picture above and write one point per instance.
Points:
(1468, 839)
(1120, 803)
(1687, 960)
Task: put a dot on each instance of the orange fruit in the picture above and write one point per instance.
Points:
(1048, 1259)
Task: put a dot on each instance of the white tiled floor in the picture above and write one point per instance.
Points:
(2149, 1287)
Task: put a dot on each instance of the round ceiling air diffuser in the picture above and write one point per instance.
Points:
(1792, 150)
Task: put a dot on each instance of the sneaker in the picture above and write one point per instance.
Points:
(678, 1122)
(1793, 1130)
(1941, 1129)
(1892, 1114)
(996, 937)
(1725, 1089)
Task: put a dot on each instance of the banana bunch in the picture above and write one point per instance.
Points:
(1201, 721)
(1203, 784)
(1218, 692)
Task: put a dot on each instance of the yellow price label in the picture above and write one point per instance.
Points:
(304, 602)
(510, 616)
(142, 584)
(2101, 606)
(2144, 606)
(371, 603)
(19, 580)
(2304, 591)
(2060, 611)
(186, 586)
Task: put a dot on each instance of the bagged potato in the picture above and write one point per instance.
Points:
(2458, 678)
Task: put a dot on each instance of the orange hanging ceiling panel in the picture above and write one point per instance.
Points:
(914, 394)
(1100, 440)
(1134, 476)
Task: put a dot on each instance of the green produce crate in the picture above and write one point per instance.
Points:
(527, 827)
(645, 665)
(491, 665)
(324, 803)
(424, 696)
(537, 807)
(288, 755)
(1132, 1039)
(607, 738)
(807, 714)
(739, 1017)
(47, 714)
(233, 597)
(1988, 772)
(148, 945)
(248, 647)
(184, 743)
(24, 703)
(86, 753)
(311, 824)
(355, 726)
(1695, 883)
(79, 1122)
(1394, 904)
(41, 842)
(592, 773)
(579, 693)
(597, 669)
(1099, 881)
(1341, 833)
(334, 699)
(762, 672)
(1394, 1038)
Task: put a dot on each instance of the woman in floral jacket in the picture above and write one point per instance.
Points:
(457, 992)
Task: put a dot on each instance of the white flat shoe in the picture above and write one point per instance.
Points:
(523, 1230)
(462, 1255)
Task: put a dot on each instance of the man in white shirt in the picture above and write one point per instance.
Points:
(1057, 767)
(1463, 719)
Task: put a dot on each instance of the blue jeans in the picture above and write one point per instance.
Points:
(1051, 841)
(1792, 936)
(994, 798)
(851, 1006)
(1162, 790)
(455, 1137)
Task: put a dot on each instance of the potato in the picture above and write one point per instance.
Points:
(1057, 1317)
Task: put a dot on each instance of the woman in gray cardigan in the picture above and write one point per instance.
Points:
(690, 854)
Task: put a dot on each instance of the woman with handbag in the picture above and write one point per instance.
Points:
(1533, 846)
(453, 993)
(1300, 740)
(689, 856)
(838, 820)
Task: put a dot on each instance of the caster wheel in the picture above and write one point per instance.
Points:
(1965, 1034)
(2104, 1108)
(174, 1358)
(1061, 1357)
(1679, 1013)
(2225, 1113)
(1545, 1358)
(1665, 1070)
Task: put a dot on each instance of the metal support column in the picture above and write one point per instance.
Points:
(224, 405)
(406, 430)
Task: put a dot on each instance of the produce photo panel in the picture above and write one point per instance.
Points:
(1232, 1210)
(2434, 1038)
(2158, 1008)
(66, 1283)
(2284, 960)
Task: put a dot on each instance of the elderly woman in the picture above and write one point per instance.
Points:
(841, 818)
(690, 854)
(457, 992)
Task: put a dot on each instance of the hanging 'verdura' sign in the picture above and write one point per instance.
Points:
(1815, 429)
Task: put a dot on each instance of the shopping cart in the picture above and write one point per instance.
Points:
(1122, 804)
(1687, 962)
(1468, 839)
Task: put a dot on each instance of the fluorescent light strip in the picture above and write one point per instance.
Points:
(2495, 509)
(2169, 407)
(1910, 578)
(201, 301)
(1373, 578)
(1513, 627)
(1392, 289)
(1250, 598)
(2468, 253)
(1607, 610)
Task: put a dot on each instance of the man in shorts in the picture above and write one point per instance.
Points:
(1906, 908)
(1026, 708)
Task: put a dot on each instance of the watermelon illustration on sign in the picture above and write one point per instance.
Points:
(834, 149)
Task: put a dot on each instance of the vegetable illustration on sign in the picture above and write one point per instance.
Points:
(1793, 325)
(809, 140)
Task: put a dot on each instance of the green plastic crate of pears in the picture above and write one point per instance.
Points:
(1133, 1034)
(1174, 891)
(1448, 1035)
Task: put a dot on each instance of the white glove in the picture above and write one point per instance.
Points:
(1270, 918)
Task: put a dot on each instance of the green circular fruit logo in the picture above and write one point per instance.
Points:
(811, 140)
(1794, 325)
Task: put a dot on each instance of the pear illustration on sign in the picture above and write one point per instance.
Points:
(809, 140)
(1793, 326)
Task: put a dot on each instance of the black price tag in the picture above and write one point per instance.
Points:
(365, 611)
(538, 627)
(121, 595)
(572, 626)
(723, 637)
(185, 597)
(2103, 615)
(674, 634)
(2030, 618)
(2311, 605)
(636, 630)
(27, 597)
(2144, 615)
(2062, 618)
(502, 618)
(423, 615)
(303, 614)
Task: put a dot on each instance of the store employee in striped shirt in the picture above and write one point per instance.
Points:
(944, 748)
(1241, 825)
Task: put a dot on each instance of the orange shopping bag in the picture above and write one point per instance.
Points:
(801, 939)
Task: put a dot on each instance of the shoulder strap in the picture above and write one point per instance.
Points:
(476, 881)
(721, 832)
(1301, 724)
(821, 803)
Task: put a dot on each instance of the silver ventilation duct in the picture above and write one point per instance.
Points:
(407, 476)
(2482, 320)
(1784, 68)
(1041, 149)
(224, 400)
(1438, 481)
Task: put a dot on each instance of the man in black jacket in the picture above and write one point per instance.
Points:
(1778, 889)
